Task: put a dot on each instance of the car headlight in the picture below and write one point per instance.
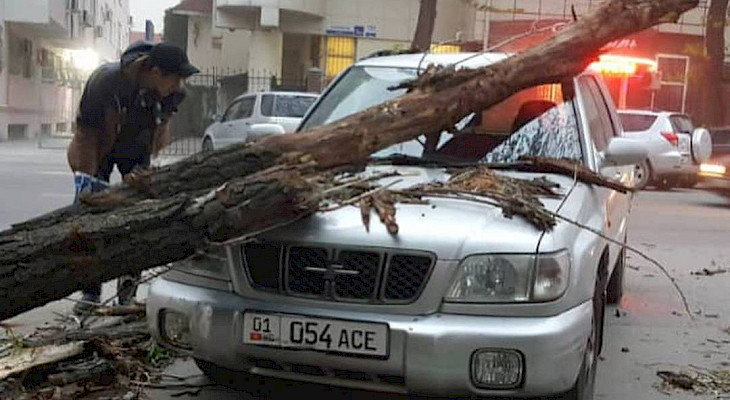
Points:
(210, 263)
(510, 278)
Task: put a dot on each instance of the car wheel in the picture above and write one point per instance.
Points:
(615, 288)
(207, 145)
(642, 174)
(666, 183)
(584, 387)
(688, 181)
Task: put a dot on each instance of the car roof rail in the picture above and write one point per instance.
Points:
(389, 52)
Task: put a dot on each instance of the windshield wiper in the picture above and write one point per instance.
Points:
(425, 161)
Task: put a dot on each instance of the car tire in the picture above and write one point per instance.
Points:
(666, 183)
(643, 173)
(207, 145)
(688, 181)
(584, 387)
(615, 289)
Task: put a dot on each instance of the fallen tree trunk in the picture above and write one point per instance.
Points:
(165, 215)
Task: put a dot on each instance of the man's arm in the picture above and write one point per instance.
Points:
(96, 124)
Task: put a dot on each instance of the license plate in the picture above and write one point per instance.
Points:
(320, 334)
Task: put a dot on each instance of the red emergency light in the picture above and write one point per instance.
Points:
(610, 64)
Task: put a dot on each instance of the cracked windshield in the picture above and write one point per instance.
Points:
(364, 199)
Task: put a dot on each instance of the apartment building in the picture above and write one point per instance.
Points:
(47, 50)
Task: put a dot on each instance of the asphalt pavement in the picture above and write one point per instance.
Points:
(686, 230)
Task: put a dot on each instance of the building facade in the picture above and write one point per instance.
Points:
(287, 38)
(47, 50)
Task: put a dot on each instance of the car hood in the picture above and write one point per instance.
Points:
(447, 227)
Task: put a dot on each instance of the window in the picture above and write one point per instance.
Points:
(291, 106)
(231, 112)
(267, 105)
(599, 120)
(682, 124)
(21, 57)
(637, 122)
(246, 110)
(340, 54)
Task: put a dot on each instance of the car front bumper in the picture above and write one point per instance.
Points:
(427, 354)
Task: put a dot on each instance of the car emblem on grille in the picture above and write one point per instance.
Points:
(333, 269)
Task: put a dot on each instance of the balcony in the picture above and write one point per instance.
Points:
(312, 7)
(252, 14)
(44, 18)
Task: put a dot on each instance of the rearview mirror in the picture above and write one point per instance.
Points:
(701, 145)
(259, 130)
(624, 151)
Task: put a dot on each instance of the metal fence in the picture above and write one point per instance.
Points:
(210, 92)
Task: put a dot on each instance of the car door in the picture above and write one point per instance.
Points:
(223, 128)
(682, 126)
(604, 125)
(236, 122)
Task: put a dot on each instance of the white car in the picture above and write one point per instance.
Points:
(668, 137)
(251, 116)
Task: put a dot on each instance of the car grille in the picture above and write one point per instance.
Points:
(347, 275)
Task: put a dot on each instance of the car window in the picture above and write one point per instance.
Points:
(681, 124)
(599, 120)
(637, 122)
(231, 112)
(246, 109)
(293, 106)
(267, 105)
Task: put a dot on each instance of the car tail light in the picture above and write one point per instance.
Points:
(672, 138)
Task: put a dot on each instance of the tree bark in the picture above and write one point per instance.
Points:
(424, 27)
(164, 215)
(715, 50)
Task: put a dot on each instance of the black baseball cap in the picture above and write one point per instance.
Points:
(172, 60)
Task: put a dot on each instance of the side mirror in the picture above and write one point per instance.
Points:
(701, 145)
(259, 130)
(624, 151)
(216, 117)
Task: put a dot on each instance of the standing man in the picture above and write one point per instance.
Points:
(122, 121)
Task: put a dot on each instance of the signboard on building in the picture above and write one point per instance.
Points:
(369, 31)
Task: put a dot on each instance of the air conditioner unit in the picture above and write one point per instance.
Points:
(98, 31)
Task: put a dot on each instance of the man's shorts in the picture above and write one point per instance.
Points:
(86, 183)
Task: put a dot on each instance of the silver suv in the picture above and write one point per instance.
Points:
(668, 137)
(463, 301)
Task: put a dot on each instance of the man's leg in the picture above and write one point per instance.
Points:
(91, 294)
(135, 154)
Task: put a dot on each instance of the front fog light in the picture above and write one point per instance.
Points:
(496, 368)
(175, 328)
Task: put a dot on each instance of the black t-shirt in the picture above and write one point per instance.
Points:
(140, 112)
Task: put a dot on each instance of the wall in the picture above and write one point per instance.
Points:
(265, 52)
(32, 11)
(233, 52)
